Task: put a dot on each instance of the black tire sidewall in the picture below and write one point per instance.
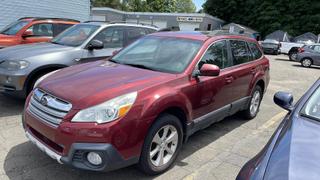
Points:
(145, 164)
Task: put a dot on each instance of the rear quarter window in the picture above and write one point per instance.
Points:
(255, 50)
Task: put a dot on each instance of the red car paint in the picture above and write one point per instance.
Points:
(90, 84)
(12, 40)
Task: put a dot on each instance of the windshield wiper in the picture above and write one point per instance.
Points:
(139, 66)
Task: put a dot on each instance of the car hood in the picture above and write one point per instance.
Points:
(22, 52)
(6, 40)
(296, 154)
(92, 83)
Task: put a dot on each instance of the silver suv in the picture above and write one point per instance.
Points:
(21, 66)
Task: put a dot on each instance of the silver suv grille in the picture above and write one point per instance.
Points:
(48, 108)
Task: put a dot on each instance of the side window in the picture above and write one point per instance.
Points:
(240, 52)
(317, 49)
(111, 37)
(135, 33)
(256, 53)
(217, 54)
(41, 30)
(58, 28)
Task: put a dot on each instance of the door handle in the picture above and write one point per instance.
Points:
(229, 79)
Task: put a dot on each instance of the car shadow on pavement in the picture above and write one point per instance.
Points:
(26, 161)
(10, 106)
(312, 67)
(283, 59)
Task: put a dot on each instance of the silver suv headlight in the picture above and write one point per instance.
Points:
(12, 65)
(108, 111)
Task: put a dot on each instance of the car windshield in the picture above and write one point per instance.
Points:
(312, 108)
(165, 54)
(14, 28)
(75, 35)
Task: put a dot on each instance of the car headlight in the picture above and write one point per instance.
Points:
(12, 65)
(107, 111)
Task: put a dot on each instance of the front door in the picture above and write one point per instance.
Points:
(113, 39)
(212, 94)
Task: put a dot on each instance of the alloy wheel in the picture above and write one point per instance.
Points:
(255, 102)
(163, 146)
(306, 62)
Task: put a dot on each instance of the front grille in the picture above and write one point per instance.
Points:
(48, 108)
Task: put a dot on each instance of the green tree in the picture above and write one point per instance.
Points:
(137, 5)
(266, 16)
(162, 5)
(185, 6)
(107, 3)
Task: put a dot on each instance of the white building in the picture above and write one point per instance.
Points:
(185, 21)
(11, 10)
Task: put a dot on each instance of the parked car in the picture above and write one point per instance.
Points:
(33, 30)
(292, 48)
(149, 98)
(309, 55)
(293, 150)
(271, 46)
(21, 66)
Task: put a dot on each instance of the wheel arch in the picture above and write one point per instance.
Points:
(40, 70)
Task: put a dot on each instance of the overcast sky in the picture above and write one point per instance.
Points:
(198, 3)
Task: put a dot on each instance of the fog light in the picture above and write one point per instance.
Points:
(94, 158)
(9, 79)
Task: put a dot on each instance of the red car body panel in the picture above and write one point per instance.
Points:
(90, 84)
(12, 40)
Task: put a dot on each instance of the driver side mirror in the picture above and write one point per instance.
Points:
(27, 34)
(207, 70)
(284, 100)
(115, 52)
(95, 44)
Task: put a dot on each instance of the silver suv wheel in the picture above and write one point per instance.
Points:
(255, 102)
(164, 145)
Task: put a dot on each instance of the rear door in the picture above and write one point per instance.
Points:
(242, 71)
(134, 33)
(113, 40)
(40, 32)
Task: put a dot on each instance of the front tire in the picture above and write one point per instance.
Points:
(254, 104)
(162, 145)
(306, 62)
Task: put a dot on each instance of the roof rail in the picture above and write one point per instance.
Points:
(121, 22)
(125, 22)
(96, 21)
(46, 18)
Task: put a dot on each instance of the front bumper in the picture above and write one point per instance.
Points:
(11, 83)
(111, 158)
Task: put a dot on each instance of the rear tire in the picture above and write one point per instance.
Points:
(162, 145)
(254, 104)
(306, 62)
(292, 56)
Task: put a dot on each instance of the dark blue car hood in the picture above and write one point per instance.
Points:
(296, 155)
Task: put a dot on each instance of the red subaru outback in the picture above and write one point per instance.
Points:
(142, 104)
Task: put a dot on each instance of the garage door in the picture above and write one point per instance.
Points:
(160, 24)
(184, 26)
